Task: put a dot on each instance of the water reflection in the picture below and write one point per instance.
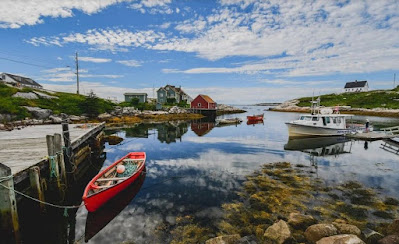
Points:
(97, 220)
(202, 128)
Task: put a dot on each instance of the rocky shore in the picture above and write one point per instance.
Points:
(285, 203)
(292, 106)
(120, 115)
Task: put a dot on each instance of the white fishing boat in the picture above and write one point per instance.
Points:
(320, 122)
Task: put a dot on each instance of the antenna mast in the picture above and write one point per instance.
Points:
(77, 72)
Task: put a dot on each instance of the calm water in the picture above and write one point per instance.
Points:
(194, 168)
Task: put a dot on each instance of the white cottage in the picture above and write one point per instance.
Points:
(356, 86)
(19, 81)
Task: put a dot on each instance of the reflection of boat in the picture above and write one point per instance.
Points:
(310, 143)
(254, 122)
(97, 220)
(319, 123)
(113, 180)
(255, 117)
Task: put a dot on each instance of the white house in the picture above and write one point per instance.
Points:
(356, 86)
(19, 81)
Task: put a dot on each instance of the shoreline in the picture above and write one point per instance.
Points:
(355, 111)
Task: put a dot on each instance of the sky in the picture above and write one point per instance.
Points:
(236, 51)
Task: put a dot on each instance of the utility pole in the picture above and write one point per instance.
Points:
(394, 80)
(77, 72)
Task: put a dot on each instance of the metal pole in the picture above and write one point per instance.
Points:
(394, 80)
(77, 72)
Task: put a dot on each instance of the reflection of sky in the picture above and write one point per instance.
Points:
(209, 170)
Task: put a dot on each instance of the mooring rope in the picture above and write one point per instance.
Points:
(35, 199)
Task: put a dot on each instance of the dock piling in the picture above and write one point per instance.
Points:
(53, 160)
(68, 161)
(9, 223)
(36, 186)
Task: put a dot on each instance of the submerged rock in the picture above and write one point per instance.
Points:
(341, 239)
(393, 228)
(315, 232)
(391, 239)
(300, 221)
(278, 232)
(247, 240)
(347, 229)
(371, 236)
(227, 239)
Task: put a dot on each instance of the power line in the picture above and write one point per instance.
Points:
(22, 62)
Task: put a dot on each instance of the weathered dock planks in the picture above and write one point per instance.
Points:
(22, 149)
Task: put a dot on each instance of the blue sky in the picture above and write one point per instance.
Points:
(236, 51)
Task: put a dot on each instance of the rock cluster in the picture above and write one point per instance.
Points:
(338, 232)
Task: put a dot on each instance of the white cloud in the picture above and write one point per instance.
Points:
(95, 60)
(17, 13)
(68, 75)
(130, 63)
(153, 6)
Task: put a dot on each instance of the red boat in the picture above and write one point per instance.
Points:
(255, 117)
(112, 180)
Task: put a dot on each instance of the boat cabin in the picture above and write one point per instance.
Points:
(337, 121)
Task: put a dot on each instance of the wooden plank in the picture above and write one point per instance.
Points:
(113, 178)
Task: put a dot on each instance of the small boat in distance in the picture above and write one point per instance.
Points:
(112, 180)
(321, 122)
(255, 117)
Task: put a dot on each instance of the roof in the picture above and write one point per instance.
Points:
(207, 98)
(134, 93)
(23, 80)
(356, 84)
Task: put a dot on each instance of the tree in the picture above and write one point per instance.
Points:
(134, 101)
(92, 105)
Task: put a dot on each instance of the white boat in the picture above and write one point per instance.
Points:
(320, 122)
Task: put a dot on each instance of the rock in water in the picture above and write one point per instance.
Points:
(347, 229)
(300, 221)
(371, 236)
(391, 239)
(315, 232)
(393, 228)
(227, 239)
(341, 239)
(278, 233)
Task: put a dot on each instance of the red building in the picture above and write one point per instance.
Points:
(203, 102)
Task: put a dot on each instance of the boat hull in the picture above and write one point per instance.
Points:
(297, 130)
(255, 117)
(96, 200)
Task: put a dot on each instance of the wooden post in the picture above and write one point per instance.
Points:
(9, 224)
(60, 157)
(68, 160)
(36, 186)
(53, 164)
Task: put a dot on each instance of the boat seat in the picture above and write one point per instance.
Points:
(114, 178)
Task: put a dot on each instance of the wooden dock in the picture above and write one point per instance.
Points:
(22, 149)
(371, 136)
(43, 162)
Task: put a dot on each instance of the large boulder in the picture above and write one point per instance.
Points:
(315, 232)
(104, 116)
(300, 221)
(391, 239)
(39, 113)
(6, 117)
(55, 119)
(26, 95)
(371, 236)
(177, 110)
(227, 239)
(278, 233)
(341, 239)
(44, 95)
(347, 229)
(393, 228)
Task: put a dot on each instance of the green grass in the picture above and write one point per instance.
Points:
(371, 99)
(68, 103)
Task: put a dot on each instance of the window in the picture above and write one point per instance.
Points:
(302, 118)
(160, 94)
(315, 118)
(328, 120)
(199, 104)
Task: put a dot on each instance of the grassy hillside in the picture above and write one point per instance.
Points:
(372, 99)
(68, 103)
